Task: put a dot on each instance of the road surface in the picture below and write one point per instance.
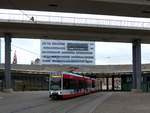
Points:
(101, 102)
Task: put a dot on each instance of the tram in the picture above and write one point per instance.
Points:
(67, 85)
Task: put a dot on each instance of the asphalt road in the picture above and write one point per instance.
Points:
(101, 102)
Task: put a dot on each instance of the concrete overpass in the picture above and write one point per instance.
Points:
(71, 32)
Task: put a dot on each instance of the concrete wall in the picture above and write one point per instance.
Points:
(79, 68)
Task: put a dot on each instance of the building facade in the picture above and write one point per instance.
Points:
(67, 52)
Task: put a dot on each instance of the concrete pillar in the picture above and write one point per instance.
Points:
(107, 83)
(8, 87)
(136, 54)
(101, 88)
(113, 85)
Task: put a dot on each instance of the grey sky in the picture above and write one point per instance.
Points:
(106, 53)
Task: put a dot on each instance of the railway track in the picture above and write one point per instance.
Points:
(117, 102)
(83, 104)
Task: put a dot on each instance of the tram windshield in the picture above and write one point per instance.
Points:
(55, 84)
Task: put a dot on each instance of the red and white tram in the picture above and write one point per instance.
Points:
(68, 85)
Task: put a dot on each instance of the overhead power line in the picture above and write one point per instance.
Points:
(26, 50)
(15, 7)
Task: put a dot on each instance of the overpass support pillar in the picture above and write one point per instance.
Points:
(8, 87)
(136, 76)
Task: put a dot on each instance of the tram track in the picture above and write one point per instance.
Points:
(117, 102)
(100, 101)
(68, 107)
(51, 105)
(83, 104)
(90, 106)
(34, 107)
(27, 108)
(87, 105)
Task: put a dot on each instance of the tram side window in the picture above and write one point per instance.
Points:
(85, 84)
(66, 84)
(73, 84)
(70, 84)
(81, 84)
(93, 84)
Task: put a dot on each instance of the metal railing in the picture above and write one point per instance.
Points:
(75, 21)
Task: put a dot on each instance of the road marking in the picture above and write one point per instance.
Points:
(100, 101)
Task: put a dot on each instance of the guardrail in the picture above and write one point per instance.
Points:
(75, 21)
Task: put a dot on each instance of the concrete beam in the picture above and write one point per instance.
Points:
(65, 32)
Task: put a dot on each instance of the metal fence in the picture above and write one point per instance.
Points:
(75, 21)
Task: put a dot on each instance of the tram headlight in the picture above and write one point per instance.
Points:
(60, 92)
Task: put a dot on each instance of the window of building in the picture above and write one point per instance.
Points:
(77, 46)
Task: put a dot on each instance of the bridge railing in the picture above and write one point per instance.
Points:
(74, 21)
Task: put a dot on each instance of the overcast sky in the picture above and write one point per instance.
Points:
(106, 53)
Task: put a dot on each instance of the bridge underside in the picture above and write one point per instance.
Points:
(136, 8)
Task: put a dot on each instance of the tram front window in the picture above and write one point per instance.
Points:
(55, 84)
